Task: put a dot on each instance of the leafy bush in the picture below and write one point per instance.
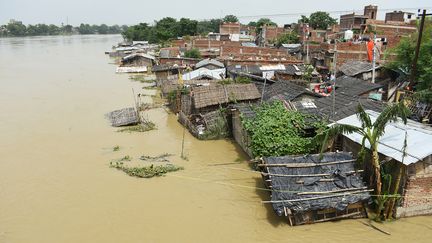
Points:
(146, 171)
(275, 131)
(193, 53)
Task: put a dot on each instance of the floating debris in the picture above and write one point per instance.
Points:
(116, 148)
(144, 126)
(147, 171)
(160, 158)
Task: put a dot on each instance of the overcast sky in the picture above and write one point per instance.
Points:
(135, 11)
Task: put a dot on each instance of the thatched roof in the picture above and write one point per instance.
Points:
(123, 117)
(221, 94)
(336, 185)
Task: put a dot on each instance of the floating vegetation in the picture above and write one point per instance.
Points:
(160, 158)
(144, 126)
(142, 79)
(147, 171)
(116, 148)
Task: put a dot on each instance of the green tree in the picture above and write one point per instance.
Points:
(16, 28)
(102, 29)
(303, 20)
(85, 29)
(265, 21)
(193, 53)
(68, 29)
(287, 38)
(371, 132)
(230, 19)
(405, 55)
(253, 24)
(187, 27)
(166, 29)
(321, 20)
(206, 26)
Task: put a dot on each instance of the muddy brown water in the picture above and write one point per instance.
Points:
(55, 148)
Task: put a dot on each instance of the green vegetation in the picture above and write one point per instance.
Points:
(372, 132)
(404, 58)
(276, 131)
(169, 28)
(116, 148)
(142, 127)
(159, 158)
(230, 19)
(287, 38)
(147, 171)
(318, 20)
(193, 53)
(237, 80)
(17, 28)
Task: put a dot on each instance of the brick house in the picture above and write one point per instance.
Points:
(414, 169)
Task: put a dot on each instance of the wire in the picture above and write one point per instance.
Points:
(330, 12)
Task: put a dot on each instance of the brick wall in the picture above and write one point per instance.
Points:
(207, 44)
(418, 190)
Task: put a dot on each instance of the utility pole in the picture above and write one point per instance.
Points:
(334, 79)
(417, 50)
(373, 59)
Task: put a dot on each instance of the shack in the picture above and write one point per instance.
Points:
(138, 60)
(360, 69)
(307, 189)
(203, 110)
(163, 71)
(414, 170)
(204, 73)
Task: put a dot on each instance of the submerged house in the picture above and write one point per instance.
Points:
(414, 169)
(163, 71)
(202, 110)
(136, 63)
(307, 189)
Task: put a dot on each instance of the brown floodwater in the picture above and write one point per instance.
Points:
(56, 184)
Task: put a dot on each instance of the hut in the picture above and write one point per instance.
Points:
(241, 136)
(203, 109)
(360, 69)
(307, 189)
(163, 71)
(413, 169)
(123, 117)
(138, 60)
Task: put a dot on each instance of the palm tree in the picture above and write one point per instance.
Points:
(371, 132)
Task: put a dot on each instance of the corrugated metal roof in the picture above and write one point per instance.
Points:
(204, 72)
(419, 139)
(139, 55)
(208, 61)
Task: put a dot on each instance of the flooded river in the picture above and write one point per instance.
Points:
(55, 147)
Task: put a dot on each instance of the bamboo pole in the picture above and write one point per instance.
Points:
(328, 192)
(338, 217)
(306, 165)
(316, 198)
(309, 175)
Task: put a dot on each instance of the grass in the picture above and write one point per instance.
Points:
(147, 171)
(116, 148)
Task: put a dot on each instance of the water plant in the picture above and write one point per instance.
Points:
(116, 148)
(146, 171)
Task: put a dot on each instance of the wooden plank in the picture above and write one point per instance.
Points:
(337, 217)
(310, 175)
(317, 198)
(306, 165)
(335, 191)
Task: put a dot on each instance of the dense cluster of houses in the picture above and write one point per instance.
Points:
(239, 68)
